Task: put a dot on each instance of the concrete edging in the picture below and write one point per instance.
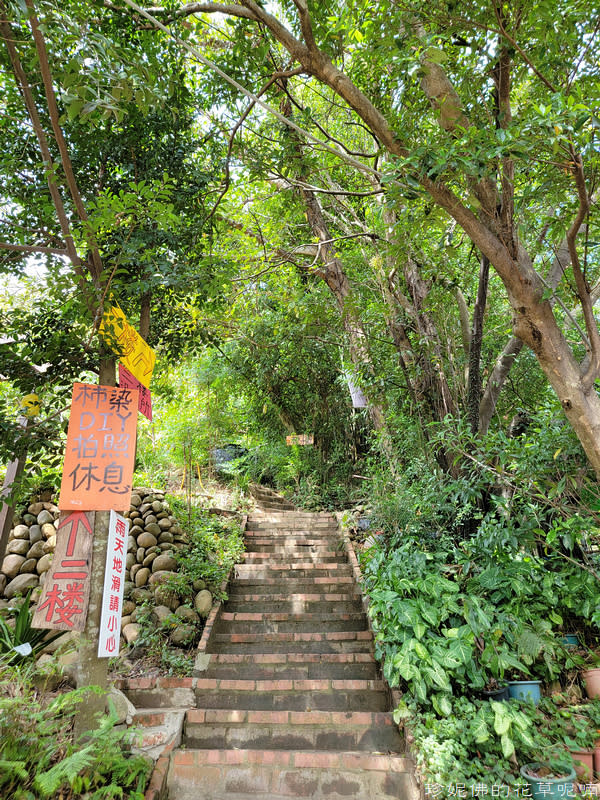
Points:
(395, 695)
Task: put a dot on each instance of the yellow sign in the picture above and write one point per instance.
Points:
(31, 405)
(125, 342)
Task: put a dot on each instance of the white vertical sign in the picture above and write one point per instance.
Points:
(114, 584)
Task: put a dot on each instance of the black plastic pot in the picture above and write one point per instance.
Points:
(501, 693)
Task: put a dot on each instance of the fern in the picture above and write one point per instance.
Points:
(66, 771)
(13, 769)
(529, 644)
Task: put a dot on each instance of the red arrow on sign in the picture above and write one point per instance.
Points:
(75, 518)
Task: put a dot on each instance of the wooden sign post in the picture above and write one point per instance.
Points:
(64, 601)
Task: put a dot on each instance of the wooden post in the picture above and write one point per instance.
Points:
(91, 670)
(13, 473)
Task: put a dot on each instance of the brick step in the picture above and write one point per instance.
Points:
(289, 525)
(367, 670)
(281, 775)
(266, 547)
(300, 531)
(291, 659)
(319, 593)
(293, 571)
(276, 505)
(327, 607)
(309, 516)
(290, 730)
(156, 729)
(280, 546)
(293, 584)
(342, 642)
(274, 622)
(292, 695)
(296, 556)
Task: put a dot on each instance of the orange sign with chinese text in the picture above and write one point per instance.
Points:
(100, 450)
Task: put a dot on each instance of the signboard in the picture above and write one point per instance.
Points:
(129, 381)
(100, 451)
(114, 584)
(64, 600)
(125, 342)
(303, 439)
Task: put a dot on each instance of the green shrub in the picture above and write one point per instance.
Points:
(39, 759)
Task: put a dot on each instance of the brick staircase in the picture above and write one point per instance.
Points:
(289, 703)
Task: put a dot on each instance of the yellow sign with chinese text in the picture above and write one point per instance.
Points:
(125, 342)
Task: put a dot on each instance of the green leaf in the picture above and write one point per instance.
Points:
(481, 732)
(508, 747)
(401, 713)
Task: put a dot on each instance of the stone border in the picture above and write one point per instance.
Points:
(395, 695)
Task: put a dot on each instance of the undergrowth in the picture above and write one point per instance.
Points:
(39, 758)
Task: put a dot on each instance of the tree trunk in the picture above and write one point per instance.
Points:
(474, 384)
(145, 316)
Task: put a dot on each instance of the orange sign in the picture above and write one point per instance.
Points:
(64, 600)
(100, 451)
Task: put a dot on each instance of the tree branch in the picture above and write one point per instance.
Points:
(28, 248)
(306, 24)
(50, 168)
(583, 290)
(238, 125)
(44, 65)
(230, 9)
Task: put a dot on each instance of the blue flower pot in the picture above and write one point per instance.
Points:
(570, 640)
(547, 788)
(525, 690)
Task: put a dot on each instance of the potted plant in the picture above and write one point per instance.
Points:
(579, 736)
(591, 675)
(553, 778)
(495, 658)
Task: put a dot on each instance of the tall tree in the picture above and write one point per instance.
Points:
(423, 81)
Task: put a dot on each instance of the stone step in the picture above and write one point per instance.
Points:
(331, 642)
(280, 775)
(291, 525)
(318, 594)
(296, 557)
(266, 547)
(292, 666)
(280, 546)
(294, 571)
(290, 730)
(277, 622)
(292, 695)
(327, 607)
(157, 729)
(275, 505)
(293, 584)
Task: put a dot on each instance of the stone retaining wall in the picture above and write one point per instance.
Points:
(154, 537)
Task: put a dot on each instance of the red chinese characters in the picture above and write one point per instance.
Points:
(114, 580)
(100, 450)
(129, 381)
(64, 600)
